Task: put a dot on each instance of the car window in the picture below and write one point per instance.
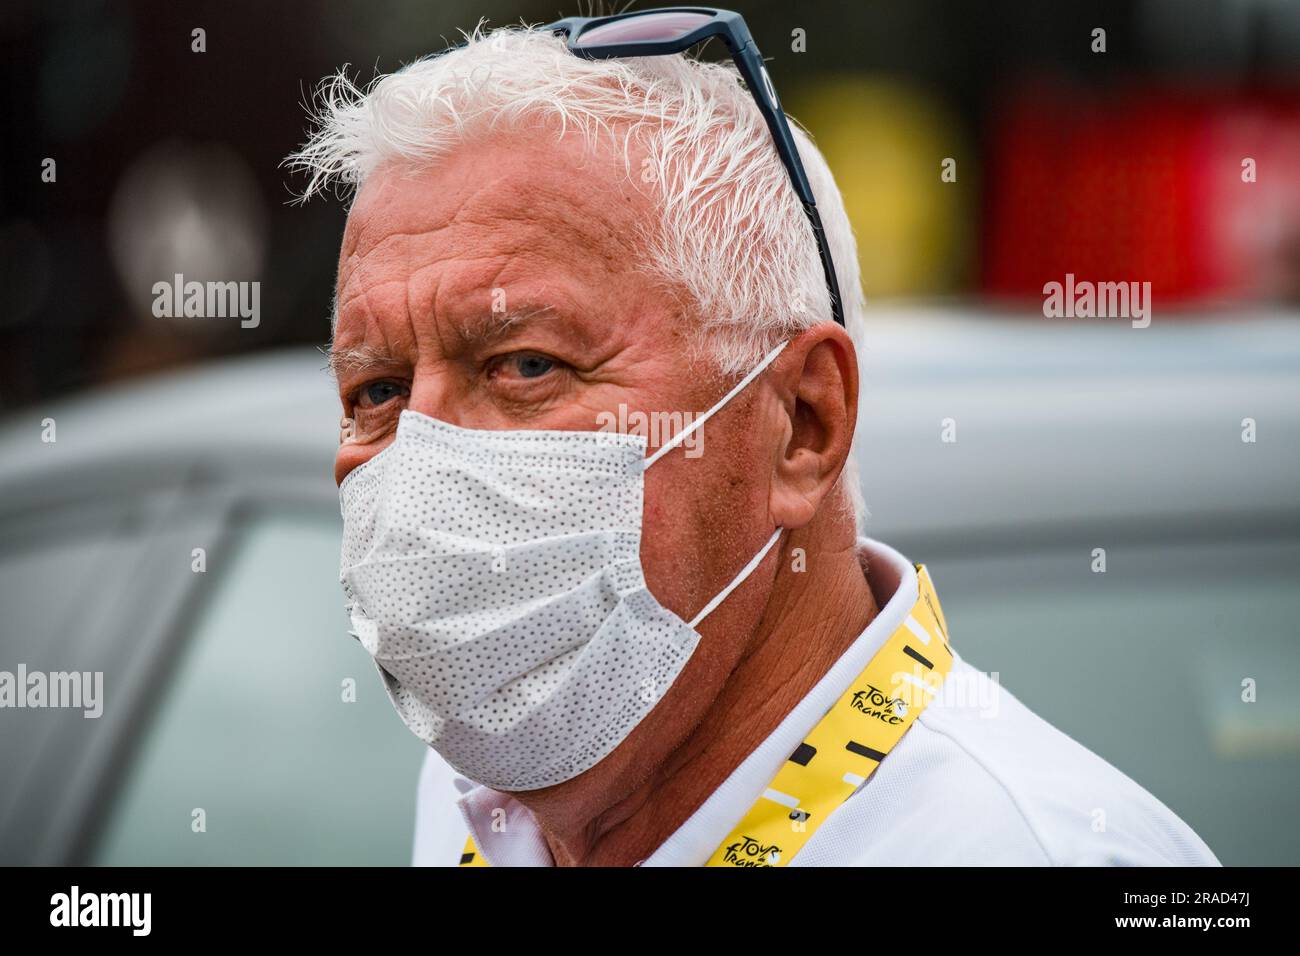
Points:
(85, 585)
(1144, 664)
(253, 755)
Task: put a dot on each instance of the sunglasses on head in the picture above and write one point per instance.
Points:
(668, 30)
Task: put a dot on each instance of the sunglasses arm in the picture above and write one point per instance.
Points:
(750, 64)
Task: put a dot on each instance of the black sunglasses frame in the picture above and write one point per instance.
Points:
(730, 26)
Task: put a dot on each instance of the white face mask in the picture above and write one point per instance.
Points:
(495, 578)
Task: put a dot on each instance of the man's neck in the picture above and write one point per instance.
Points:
(811, 619)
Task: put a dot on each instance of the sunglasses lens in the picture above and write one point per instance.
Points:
(650, 28)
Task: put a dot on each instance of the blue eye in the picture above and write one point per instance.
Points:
(376, 393)
(534, 366)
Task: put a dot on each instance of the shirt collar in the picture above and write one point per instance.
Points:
(506, 833)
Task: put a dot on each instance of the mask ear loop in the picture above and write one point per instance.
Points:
(685, 433)
(738, 580)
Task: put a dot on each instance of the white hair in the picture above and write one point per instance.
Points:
(731, 231)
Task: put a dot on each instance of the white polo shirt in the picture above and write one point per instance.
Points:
(978, 779)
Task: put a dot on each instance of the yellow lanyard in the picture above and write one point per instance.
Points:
(845, 747)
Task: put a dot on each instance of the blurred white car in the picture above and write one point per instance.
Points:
(229, 735)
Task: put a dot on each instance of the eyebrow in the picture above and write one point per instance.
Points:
(481, 328)
(356, 358)
(494, 325)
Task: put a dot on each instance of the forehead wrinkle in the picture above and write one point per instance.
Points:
(389, 235)
(372, 303)
(560, 214)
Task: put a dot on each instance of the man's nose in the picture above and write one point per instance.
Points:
(436, 392)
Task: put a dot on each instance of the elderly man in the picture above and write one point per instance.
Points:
(629, 638)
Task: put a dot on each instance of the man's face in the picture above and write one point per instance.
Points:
(544, 231)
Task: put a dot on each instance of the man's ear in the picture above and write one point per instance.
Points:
(818, 386)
